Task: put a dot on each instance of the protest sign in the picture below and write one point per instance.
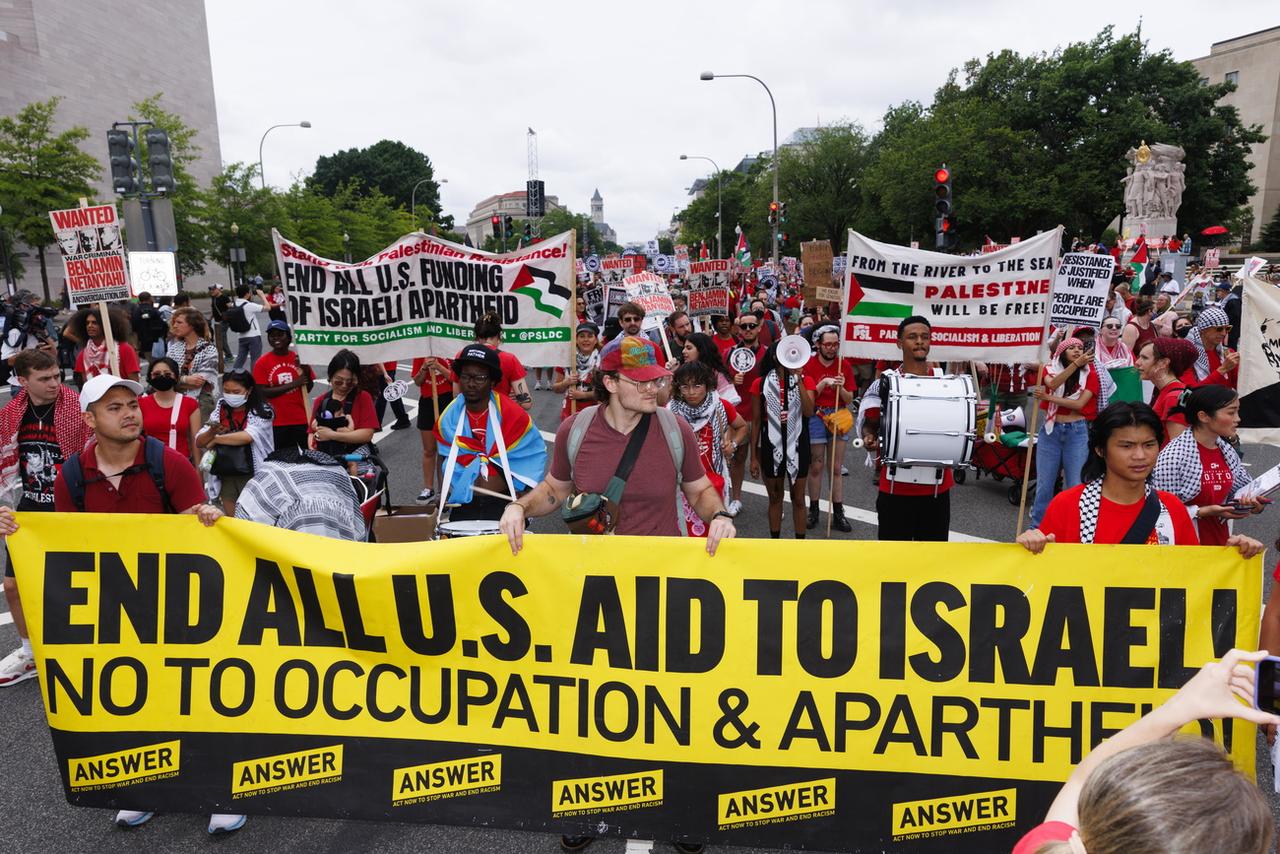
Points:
(155, 273)
(92, 254)
(1259, 384)
(614, 270)
(1211, 258)
(754, 698)
(615, 296)
(1080, 289)
(818, 264)
(650, 292)
(421, 296)
(993, 308)
(592, 297)
(708, 288)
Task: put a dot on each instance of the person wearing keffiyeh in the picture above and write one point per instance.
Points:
(780, 437)
(717, 426)
(1214, 363)
(576, 384)
(1063, 440)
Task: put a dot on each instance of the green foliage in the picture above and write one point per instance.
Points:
(388, 167)
(40, 170)
(1269, 239)
(236, 197)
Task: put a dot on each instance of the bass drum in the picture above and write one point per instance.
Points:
(467, 528)
(928, 424)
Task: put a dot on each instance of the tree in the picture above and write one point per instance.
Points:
(40, 171)
(698, 219)
(237, 197)
(389, 167)
(191, 217)
(1269, 238)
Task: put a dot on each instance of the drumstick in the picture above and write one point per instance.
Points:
(1031, 444)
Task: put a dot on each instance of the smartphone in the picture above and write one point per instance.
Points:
(1266, 689)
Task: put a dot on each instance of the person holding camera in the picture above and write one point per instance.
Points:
(26, 327)
(242, 319)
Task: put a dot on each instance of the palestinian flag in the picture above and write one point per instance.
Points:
(742, 252)
(1138, 264)
(541, 287)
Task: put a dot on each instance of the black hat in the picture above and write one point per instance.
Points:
(479, 354)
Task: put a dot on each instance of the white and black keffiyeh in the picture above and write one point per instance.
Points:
(1208, 319)
(1178, 469)
(711, 411)
(1091, 505)
(785, 442)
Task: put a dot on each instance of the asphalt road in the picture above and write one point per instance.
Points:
(38, 818)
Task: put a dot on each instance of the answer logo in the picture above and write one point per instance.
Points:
(959, 814)
(286, 771)
(601, 794)
(789, 802)
(135, 765)
(417, 784)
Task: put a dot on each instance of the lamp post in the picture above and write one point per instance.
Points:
(4, 256)
(413, 199)
(237, 256)
(261, 172)
(707, 75)
(719, 200)
(346, 246)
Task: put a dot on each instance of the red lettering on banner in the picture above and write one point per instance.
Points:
(880, 333)
(83, 217)
(988, 290)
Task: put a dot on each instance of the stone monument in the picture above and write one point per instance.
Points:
(1153, 187)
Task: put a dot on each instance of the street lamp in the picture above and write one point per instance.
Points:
(4, 256)
(346, 246)
(237, 255)
(719, 199)
(413, 199)
(261, 172)
(707, 75)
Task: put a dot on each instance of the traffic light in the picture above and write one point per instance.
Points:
(123, 166)
(783, 239)
(773, 214)
(508, 226)
(782, 212)
(528, 231)
(497, 225)
(160, 161)
(944, 225)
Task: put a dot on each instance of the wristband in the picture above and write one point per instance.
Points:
(523, 510)
(725, 513)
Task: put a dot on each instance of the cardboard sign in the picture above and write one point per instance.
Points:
(92, 254)
(819, 267)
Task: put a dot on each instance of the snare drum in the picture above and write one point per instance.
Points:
(467, 528)
(929, 423)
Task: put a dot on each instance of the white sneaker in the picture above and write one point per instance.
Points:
(222, 822)
(425, 496)
(735, 507)
(133, 818)
(17, 666)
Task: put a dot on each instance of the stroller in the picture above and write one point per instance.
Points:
(1006, 453)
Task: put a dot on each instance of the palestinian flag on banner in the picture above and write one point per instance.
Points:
(1138, 264)
(540, 286)
(742, 252)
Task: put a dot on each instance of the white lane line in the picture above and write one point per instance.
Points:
(6, 618)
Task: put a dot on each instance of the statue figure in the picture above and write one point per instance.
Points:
(1155, 181)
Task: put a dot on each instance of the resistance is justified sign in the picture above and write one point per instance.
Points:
(751, 698)
(421, 296)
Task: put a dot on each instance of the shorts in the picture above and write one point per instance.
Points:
(426, 414)
(818, 432)
(232, 486)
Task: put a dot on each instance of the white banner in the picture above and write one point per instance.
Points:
(1080, 289)
(421, 296)
(988, 307)
(1259, 384)
(92, 253)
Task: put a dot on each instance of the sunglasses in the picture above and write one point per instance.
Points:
(1110, 326)
(748, 326)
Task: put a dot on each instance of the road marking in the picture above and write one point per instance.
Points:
(6, 618)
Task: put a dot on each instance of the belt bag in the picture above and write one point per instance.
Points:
(596, 512)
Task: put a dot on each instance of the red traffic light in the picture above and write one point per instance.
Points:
(773, 207)
(946, 224)
(942, 176)
(495, 219)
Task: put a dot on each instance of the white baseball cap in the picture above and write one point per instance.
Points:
(95, 388)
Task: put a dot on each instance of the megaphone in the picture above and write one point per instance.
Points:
(1013, 419)
(794, 352)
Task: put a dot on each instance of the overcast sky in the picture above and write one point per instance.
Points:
(612, 89)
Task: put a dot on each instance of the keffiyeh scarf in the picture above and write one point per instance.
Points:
(96, 360)
(1091, 504)
(711, 411)
(1208, 319)
(1178, 469)
(1053, 368)
(784, 439)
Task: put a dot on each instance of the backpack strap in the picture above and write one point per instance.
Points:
(153, 451)
(73, 477)
(675, 444)
(581, 422)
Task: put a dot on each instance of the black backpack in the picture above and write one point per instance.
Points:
(236, 318)
(153, 451)
(151, 323)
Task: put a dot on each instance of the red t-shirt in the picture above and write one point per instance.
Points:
(442, 382)
(128, 364)
(273, 370)
(1215, 487)
(724, 345)
(1050, 831)
(363, 415)
(1062, 519)
(649, 500)
(158, 421)
(512, 370)
(1092, 384)
(137, 492)
(1167, 399)
(816, 371)
(584, 383)
(1189, 376)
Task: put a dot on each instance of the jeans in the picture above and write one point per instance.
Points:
(250, 350)
(1067, 447)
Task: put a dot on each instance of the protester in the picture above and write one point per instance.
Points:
(150, 326)
(195, 355)
(679, 328)
(1147, 790)
(171, 417)
(748, 338)
(343, 420)
(576, 384)
(1160, 362)
(834, 385)
(37, 335)
(1110, 349)
(488, 332)
(627, 383)
(123, 471)
(86, 327)
(1062, 442)
(1138, 330)
(700, 347)
(493, 452)
(239, 432)
(1116, 504)
(431, 373)
(1215, 364)
(780, 437)
(284, 381)
(723, 337)
(904, 510)
(220, 303)
(277, 303)
(242, 319)
(1201, 467)
(306, 491)
(716, 425)
(39, 428)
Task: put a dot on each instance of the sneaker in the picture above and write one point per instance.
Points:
(811, 519)
(734, 508)
(537, 386)
(575, 843)
(426, 495)
(17, 666)
(133, 818)
(221, 822)
(401, 424)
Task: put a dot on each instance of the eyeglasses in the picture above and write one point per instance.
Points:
(648, 385)
(472, 379)
(630, 319)
(745, 326)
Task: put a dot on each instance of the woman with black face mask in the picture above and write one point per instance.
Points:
(167, 414)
